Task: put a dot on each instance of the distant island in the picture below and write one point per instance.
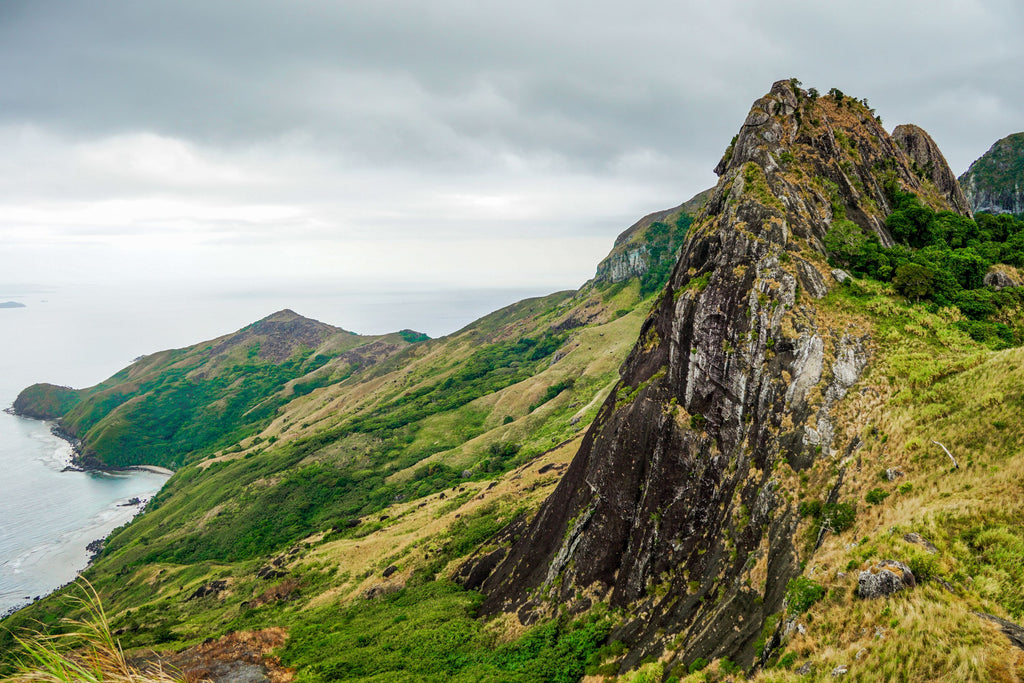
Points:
(11, 304)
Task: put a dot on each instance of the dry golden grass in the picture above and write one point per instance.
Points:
(412, 527)
(926, 382)
(86, 652)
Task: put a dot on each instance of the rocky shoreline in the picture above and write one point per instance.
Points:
(86, 463)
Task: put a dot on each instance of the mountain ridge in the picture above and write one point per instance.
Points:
(674, 485)
(993, 182)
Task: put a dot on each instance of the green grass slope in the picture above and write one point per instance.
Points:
(341, 453)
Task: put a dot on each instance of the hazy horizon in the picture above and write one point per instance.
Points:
(448, 145)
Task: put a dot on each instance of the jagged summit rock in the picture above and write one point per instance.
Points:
(994, 183)
(930, 162)
(671, 508)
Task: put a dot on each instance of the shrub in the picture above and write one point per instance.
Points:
(801, 593)
(876, 496)
(924, 566)
(838, 516)
(697, 664)
(809, 508)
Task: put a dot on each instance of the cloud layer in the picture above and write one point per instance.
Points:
(449, 142)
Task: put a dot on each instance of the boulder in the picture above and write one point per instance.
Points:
(920, 540)
(1001, 277)
(884, 579)
(214, 588)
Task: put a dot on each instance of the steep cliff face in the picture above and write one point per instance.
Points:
(675, 505)
(995, 182)
(649, 248)
(930, 162)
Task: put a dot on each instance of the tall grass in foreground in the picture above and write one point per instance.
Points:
(86, 652)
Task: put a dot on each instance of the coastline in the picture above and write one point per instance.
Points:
(147, 468)
(82, 463)
(49, 547)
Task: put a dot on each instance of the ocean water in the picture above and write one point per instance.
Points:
(78, 336)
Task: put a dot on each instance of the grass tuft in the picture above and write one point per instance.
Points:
(85, 652)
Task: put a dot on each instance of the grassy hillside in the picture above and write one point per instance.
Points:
(305, 470)
(929, 384)
(174, 407)
(374, 601)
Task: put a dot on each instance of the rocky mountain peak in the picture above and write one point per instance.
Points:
(279, 335)
(930, 163)
(831, 156)
(675, 506)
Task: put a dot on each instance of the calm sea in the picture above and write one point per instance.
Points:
(79, 336)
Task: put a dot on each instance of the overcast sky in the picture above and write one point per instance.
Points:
(439, 143)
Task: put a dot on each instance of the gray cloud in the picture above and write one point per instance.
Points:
(308, 123)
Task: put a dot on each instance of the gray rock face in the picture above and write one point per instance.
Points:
(674, 484)
(811, 280)
(624, 265)
(884, 579)
(636, 251)
(930, 162)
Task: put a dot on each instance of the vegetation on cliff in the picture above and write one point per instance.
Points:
(993, 182)
(943, 258)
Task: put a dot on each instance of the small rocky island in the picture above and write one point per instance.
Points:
(11, 304)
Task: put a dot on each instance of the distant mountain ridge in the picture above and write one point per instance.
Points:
(649, 248)
(168, 407)
(994, 183)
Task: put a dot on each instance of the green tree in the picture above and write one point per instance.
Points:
(914, 281)
(845, 241)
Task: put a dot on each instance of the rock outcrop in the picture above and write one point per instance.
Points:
(931, 164)
(644, 245)
(994, 183)
(884, 579)
(1001, 276)
(674, 506)
(1011, 630)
